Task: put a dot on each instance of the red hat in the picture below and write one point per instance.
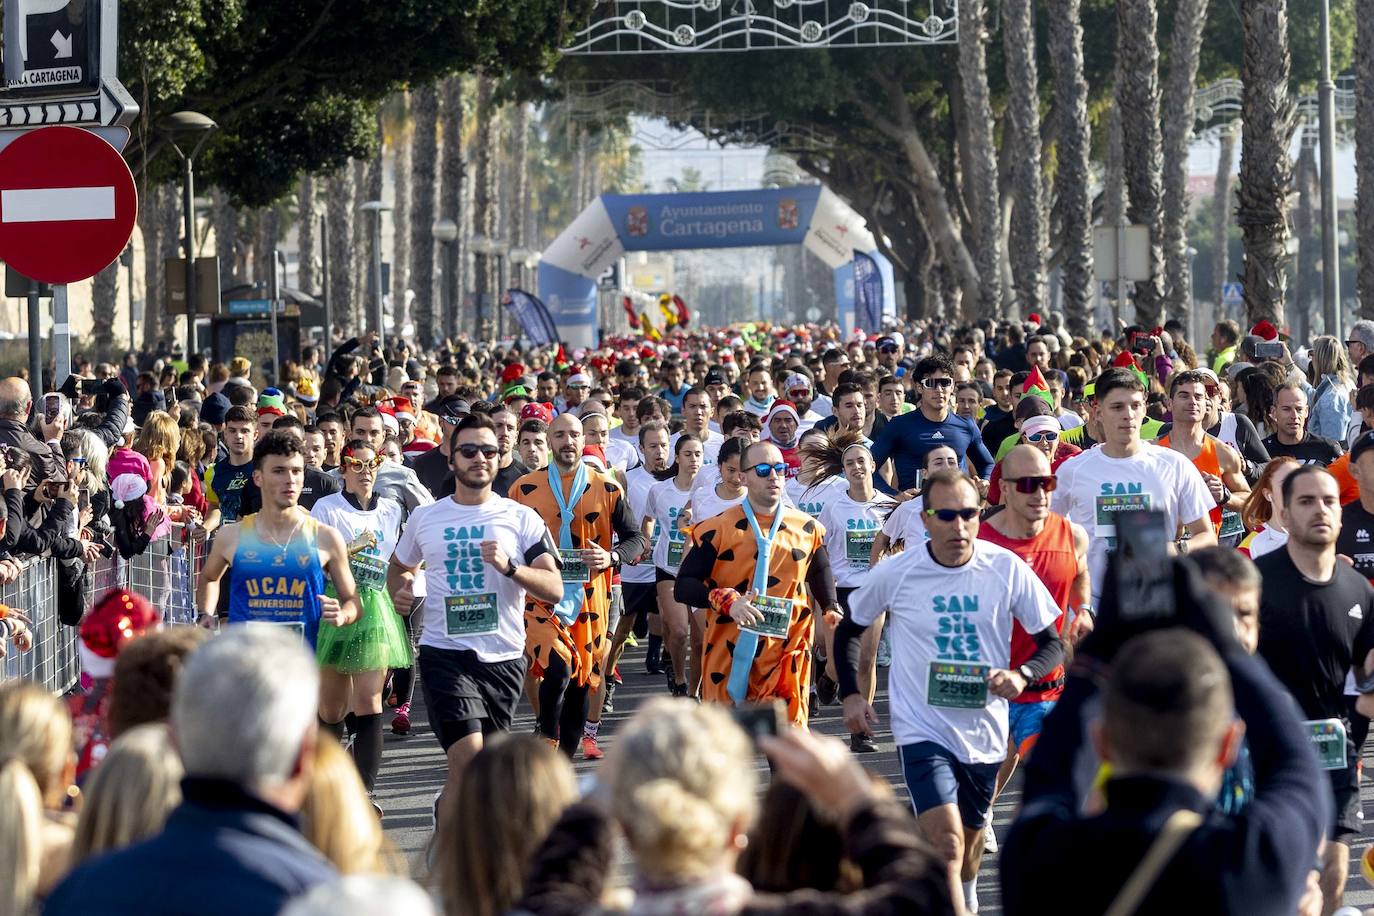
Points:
(1126, 360)
(1265, 329)
(1033, 317)
(114, 620)
(512, 372)
(534, 410)
(647, 352)
(596, 453)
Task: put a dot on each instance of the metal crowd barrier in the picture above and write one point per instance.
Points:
(165, 574)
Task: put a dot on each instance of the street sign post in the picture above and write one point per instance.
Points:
(67, 204)
(60, 64)
(1232, 293)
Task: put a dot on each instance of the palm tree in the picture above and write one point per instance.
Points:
(104, 298)
(518, 206)
(225, 218)
(1265, 172)
(451, 178)
(1185, 46)
(424, 107)
(1222, 205)
(980, 156)
(153, 252)
(1137, 92)
(1307, 286)
(484, 199)
(339, 214)
(1028, 240)
(1073, 208)
(305, 222)
(1364, 158)
(400, 210)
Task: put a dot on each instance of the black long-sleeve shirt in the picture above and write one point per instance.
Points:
(1254, 863)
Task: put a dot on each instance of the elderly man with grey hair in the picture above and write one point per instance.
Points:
(1359, 343)
(243, 720)
(15, 403)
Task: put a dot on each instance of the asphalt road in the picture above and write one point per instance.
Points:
(413, 771)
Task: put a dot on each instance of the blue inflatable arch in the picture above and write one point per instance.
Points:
(809, 215)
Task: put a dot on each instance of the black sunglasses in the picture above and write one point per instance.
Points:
(1029, 485)
(470, 451)
(949, 515)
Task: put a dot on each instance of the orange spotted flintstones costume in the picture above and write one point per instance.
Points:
(720, 567)
(568, 656)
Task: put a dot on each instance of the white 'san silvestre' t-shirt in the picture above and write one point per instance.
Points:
(639, 482)
(1093, 487)
(850, 527)
(448, 537)
(961, 615)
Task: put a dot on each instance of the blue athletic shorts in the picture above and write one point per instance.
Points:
(935, 777)
(1025, 720)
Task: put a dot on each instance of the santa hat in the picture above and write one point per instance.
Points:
(579, 378)
(402, 408)
(537, 411)
(389, 420)
(126, 488)
(594, 455)
(511, 373)
(1033, 318)
(779, 406)
(1265, 328)
(114, 620)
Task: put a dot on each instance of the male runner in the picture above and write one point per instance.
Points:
(278, 557)
(566, 638)
(907, 438)
(1221, 468)
(482, 553)
(1125, 473)
(850, 410)
(781, 428)
(509, 468)
(227, 477)
(696, 419)
(759, 627)
(1316, 626)
(1057, 551)
(760, 388)
(1288, 420)
(951, 605)
(626, 406)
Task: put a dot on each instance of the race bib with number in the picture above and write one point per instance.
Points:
(1231, 525)
(574, 569)
(675, 549)
(858, 546)
(471, 615)
(1328, 740)
(1106, 508)
(368, 571)
(957, 685)
(777, 617)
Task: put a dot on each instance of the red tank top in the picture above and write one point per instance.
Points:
(1052, 557)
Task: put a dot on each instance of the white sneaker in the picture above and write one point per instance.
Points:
(989, 840)
(884, 650)
(971, 896)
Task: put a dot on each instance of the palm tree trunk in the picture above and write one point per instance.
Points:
(424, 107)
(484, 200)
(339, 212)
(1028, 241)
(1265, 172)
(1073, 207)
(1307, 280)
(1222, 205)
(154, 294)
(1364, 154)
(306, 216)
(225, 217)
(1137, 93)
(452, 177)
(400, 217)
(1185, 45)
(104, 300)
(519, 207)
(981, 156)
(170, 230)
(358, 254)
(374, 223)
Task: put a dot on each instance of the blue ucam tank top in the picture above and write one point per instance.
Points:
(277, 585)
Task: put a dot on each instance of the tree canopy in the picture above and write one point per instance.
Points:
(294, 84)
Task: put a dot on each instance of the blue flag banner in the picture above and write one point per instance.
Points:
(534, 319)
(868, 293)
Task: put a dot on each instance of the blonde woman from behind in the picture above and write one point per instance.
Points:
(36, 730)
(21, 837)
(486, 845)
(130, 794)
(338, 818)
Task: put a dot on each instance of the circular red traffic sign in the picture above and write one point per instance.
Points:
(67, 204)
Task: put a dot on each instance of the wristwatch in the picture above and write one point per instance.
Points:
(509, 571)
(1025, 672)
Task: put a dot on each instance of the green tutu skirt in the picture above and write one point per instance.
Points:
(376, 641)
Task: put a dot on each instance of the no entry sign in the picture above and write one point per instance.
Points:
(67, 204)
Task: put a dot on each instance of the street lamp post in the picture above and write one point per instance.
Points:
(189, 125)
(445, 232)
(1326, 112)
(484, 248)
(375, 274)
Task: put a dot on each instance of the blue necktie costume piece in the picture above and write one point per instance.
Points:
(573, 592)
(747, 645)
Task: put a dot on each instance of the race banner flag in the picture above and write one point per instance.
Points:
(532, 316)
(868, 293)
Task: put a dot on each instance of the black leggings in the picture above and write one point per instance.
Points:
(403, 679)
(563, 706)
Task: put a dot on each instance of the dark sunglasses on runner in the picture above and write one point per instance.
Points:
(933, 383)
(1029, 485)
(763, 470)
(357, 464)
(949, 515)
(470, 451)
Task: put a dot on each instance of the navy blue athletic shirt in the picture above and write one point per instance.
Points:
(907, 438)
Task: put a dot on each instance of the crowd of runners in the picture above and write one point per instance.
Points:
(780, 520)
